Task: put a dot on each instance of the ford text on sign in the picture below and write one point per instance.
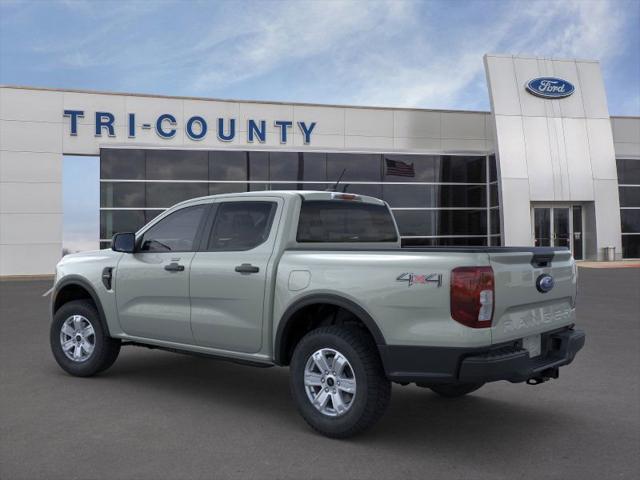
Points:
(550, 87)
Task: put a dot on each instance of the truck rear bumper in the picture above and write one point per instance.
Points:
(509, 361)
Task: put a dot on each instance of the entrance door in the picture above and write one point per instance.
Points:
(559, 226)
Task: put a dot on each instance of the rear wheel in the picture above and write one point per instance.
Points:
(79, 341)
(338, 382)
(453, 390)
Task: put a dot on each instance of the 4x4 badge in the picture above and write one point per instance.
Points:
(421, 279)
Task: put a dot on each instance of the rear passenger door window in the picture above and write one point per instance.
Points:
(241, 226)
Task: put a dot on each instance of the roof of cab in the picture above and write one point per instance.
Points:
(305, 194)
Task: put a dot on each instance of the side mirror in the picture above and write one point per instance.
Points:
(124, 242)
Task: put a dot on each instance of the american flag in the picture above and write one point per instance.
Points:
(399, 168)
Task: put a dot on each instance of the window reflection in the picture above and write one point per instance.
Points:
(165, 195)
(177, 165)
(228, 165)
(628, 171)
(125, 164)
(128, 195)
(362, 167)
(631, 246)
(286, 166)
(629, 196)
(410, 168)
(441, 222)
(630, 221)
(399, 179)
(114, 221)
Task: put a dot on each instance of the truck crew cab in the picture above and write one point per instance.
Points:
(319, 282)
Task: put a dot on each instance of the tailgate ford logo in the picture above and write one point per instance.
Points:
(550, 87)
(544, 283)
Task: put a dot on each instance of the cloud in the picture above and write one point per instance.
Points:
(275, 38)
(563, 29)
(387, 52)
(393, 55)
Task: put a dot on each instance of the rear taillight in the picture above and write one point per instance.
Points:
(472, 292)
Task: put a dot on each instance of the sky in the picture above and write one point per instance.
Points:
(379, 53)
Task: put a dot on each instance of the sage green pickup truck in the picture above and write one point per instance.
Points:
(319, 282)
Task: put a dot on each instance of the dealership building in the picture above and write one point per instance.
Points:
(546, 166)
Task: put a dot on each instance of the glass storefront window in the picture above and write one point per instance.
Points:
(177, 165)
(127, 195)
(357, 167)
(410, 168)
(219, 188)
(314, 167)
(494, 217)
(630, 221)
(285, 166)
(405, 181)
(462, 169)
(165, 195)
(298, 186)
(478, 241)
(629, 174)
(631, 246)
(125, 164)
(406, 196)
(114, 221)
(457, 195)
(494, 199)
(629, 196)
(225, 165)
(493, 169)
(628, 171)
(258, 166)
(441, 222)
(435, 168)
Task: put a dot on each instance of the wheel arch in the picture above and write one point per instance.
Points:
(289, 319)
(75, 287)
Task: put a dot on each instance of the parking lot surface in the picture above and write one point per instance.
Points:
(158, 415)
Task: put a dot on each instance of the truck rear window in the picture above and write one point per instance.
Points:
(345, 221)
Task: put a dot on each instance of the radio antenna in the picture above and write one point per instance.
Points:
(334, 188)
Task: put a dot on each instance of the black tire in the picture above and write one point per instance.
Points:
(373, 390)
(453, 390)
(105, 351)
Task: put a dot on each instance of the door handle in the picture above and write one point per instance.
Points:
(247, 268)
(174, 267)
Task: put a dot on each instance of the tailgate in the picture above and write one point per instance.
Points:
(521, 308)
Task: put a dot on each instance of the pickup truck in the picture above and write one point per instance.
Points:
(319, 282)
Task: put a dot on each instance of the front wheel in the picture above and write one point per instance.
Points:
(337, 381)
(454, 390)
(79, 342)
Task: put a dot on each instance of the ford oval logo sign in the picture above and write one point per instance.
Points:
(544, 283)
(550, 87)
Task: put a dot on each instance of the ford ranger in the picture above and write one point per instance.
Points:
(319, 282)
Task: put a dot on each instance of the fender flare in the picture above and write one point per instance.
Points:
(325, 298)
(86, 285)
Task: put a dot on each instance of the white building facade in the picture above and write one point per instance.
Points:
(546, 166)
